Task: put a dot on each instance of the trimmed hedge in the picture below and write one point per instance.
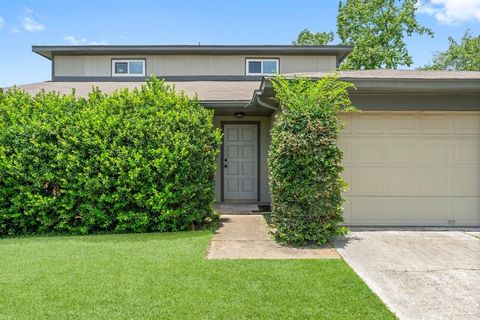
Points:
(133, 161)
(305, 161)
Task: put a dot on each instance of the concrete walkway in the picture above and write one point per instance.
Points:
(419, 274)
(247, 237)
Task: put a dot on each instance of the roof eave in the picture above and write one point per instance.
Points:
(44, 54)
(339, 51)
(415, 85)
(395, 85)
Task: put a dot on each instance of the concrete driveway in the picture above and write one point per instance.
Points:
(419, 274)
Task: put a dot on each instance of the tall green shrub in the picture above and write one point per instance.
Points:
(132, 161)
(305, 161)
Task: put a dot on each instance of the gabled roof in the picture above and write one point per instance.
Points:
(336, 50)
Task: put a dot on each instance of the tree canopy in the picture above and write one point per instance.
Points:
(376, 29)
(463, 56)
(308, 38)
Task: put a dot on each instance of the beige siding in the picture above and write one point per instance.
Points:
(195, 65)
(292, 64)
(176, 65)
(69, 65)
(412, 168)
(265, 124)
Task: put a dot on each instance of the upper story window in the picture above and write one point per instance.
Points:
(130, 67)
(260, 67)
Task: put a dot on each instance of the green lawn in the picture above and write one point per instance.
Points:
(165, 276)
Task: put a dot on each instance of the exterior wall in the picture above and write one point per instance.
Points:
(82, 66)
(265, 123)
(413, 167)
(187, 65)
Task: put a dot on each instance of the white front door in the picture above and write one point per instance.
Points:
(240, 160)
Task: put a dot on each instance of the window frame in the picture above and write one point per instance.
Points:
(261, 60)
(128, 74)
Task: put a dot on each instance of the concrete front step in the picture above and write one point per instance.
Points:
(236, 208)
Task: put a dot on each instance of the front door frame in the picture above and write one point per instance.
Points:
(222, 156)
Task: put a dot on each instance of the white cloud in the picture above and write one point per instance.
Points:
(79, 41)
(28, 21)
(451, 11)
(98, 43)
(74, 41)
(2, 22)
(15, 29)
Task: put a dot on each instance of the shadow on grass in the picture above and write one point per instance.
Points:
(116, 237)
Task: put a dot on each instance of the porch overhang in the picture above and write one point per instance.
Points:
(230, 108)
(261, 104)
(399, 90)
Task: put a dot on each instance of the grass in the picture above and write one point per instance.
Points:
(165, 276)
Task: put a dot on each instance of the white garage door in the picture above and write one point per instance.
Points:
(412, 168)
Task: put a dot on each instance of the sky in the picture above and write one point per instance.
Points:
(24, 23)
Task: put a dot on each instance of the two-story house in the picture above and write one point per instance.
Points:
(412, 155)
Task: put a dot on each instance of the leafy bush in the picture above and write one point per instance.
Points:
(304, 159)
(132, 161)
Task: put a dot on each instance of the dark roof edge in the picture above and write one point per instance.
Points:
(406, 85)
(339, 50)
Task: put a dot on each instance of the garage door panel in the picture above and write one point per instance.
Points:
(402, 210)
(367, 181)
(402, 181)
(410, 211)
(346, 120)
(368, 152)
(347, 211)
(467, 152)
(435, 152)
(436, 211)
(402, 152)
(434, 181)
(413, 168)
(368, 123)
(346, 147)
(466, 211)
(466, 123)
(403, 124)
(466, 181)
(435, 124)
(368, 211)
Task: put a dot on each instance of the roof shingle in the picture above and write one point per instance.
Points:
(396, 74)
(205, 90)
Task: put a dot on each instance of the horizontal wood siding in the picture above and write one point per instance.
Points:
(188, 65)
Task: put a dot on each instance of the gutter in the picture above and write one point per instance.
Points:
(415, 85)
(402, 85)
(340, 51)
(257, 97)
